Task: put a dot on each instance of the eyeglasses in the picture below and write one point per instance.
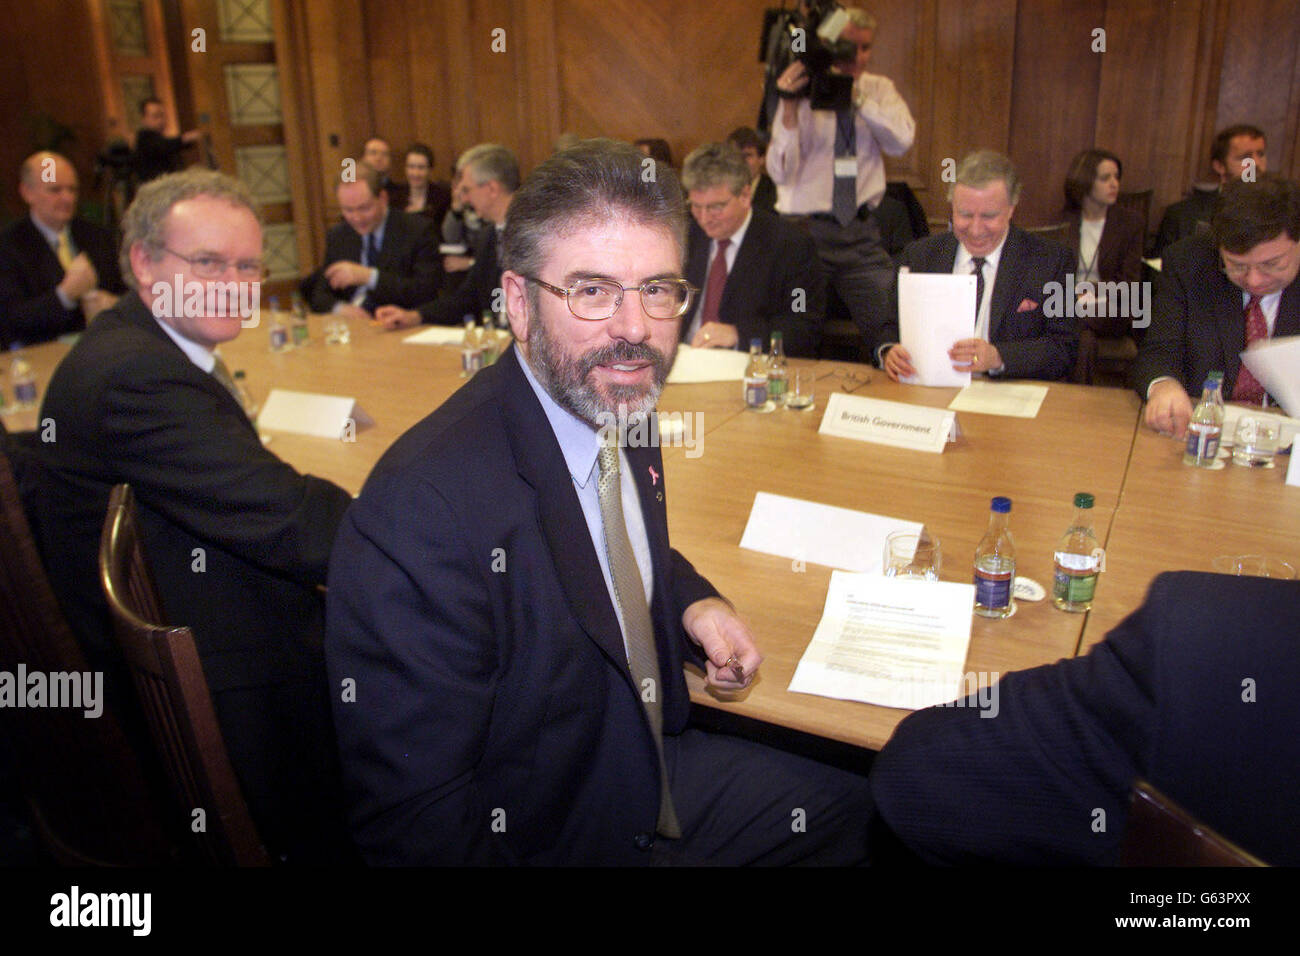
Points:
(214, 267)
(1278, 265)
(712, 209)
(597, 299)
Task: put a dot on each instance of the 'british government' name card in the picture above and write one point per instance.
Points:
(887, 423)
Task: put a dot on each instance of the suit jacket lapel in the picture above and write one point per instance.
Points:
(1288, 311)
(541, 464)
(1010, 266)
(1230, 326)
(46, 262)
(697, 271)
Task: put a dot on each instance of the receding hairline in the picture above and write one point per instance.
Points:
(607, 215)
(28, 172)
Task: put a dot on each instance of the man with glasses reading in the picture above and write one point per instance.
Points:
(505, 602)
(237, 540)
(1219, 294)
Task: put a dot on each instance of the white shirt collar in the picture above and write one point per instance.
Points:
(990, 261)
(51, 235)
(196, 353)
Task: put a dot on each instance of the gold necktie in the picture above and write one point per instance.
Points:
(222, 374)
(64, 251)
(629, 589)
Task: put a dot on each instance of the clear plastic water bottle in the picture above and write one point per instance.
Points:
(471, 350)
(995, 564)
(756, 378)
(24, 379)
(279, 332)
(1077, 560)
(1206, 426)
(778, 373)
(301, 330)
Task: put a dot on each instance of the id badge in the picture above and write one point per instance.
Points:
(846, 166)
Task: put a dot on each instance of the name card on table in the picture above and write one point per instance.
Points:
(1293, 470)
(823, 534)
(888, 423)
(707, 365)
(307, 413)
(437, 335)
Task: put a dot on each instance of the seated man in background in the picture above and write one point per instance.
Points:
(1014, 337)
(1192, 692)
(754, 148)
(236, 539)
(378, 155)
(157, 154)
(1219, 294)
(757, 273)
(506, 598)
(57, 271)
(1237, 150)
(376, 256)
(489, 178)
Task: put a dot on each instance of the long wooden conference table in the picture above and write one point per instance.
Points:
(1152, 512)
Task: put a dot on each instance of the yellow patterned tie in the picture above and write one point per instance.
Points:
(629, 589)
(64, 251)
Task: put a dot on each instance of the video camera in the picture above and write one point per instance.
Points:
(811, 33)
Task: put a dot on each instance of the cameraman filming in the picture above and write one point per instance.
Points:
(829, 173)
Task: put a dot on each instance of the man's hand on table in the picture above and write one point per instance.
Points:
(393, 317)
(1169, 408)
(727, 643)
(345, 275)
(898, 363)
(975, 355)
(715, 335)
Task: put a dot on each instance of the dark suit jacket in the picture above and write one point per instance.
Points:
(410, 269)
(765, 193)
(1119, 254)
(1162, 698)
(775, 259)
(30, 310)
(436, 201)
(236, 539)
(1198, 321)
(1032, 344)
(156, 154)
(474, 294)
(1186, 217)
(467, 601)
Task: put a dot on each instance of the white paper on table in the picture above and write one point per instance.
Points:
(821, 534)
(1276, 363)
(1000, 398)
(307, 413)
(934, 311)
(707, 365)
(436, 335)
(897, 642)
(1287, 428)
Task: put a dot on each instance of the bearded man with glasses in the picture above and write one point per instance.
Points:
(1219, 294)
(505, 598)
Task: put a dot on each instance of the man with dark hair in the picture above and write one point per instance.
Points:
(1014, 336)
(57, 271)
(376, 256)
(489, 177)
(757, 273)
(156, 154)
(1218, 294)
(504, 597)
(237, 540)
(1238, 152)
(754, 148)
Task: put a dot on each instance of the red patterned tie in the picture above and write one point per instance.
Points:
(1248, 388)
(713, 287)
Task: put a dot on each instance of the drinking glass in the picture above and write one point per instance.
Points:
(1255, 442)
(909, 555)
(802, 391)
(1254, 565)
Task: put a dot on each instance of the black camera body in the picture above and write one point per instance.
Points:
(792, 34)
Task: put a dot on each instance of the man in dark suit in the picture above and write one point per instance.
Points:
(1193, 692)
(1219, 294)
(757, 273)
(506, 605)
(56, 271)
(1237, 151)
(754, 148)
(376, 256)
(489, 178)
(1015, 336)
(236, 539)
(157, 154)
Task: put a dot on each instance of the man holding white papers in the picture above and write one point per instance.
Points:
(1218, 295)
(238, 541)
(1015, 336)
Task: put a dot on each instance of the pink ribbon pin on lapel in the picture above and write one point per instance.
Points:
(654, 475)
